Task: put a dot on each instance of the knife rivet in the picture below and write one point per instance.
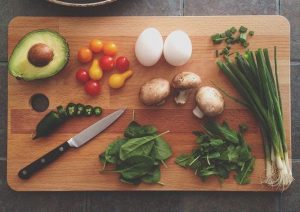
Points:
(43, 160)
(61, 149)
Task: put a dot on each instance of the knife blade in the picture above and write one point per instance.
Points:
(77, 141)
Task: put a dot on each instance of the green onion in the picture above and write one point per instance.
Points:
(233, 30)
(243, 29)
(228, 33)
(243, 37)
(252, 75)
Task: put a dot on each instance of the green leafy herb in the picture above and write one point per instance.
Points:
(135, 130)
(161, 150)
(137, 146)
(112, 151)
(153, 176)
(138, 155)
(135, 166)
(219, 151)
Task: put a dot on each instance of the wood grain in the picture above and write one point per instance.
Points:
(79, 168)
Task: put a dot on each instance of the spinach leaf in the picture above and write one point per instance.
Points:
(112, 151)
(135, 166)
(135, 181)
(137, 146)
(153, 176)
(135, 130)
(161, 149)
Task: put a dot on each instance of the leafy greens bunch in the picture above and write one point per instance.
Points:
(252, 75)
(220, 150)
(138, 155)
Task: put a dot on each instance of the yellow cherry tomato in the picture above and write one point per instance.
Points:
(110, 49)
(96, 45)
(84, 55)
(118, 80)
(95, 72)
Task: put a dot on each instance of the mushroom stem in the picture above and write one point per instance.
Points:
(198, 113)
(182, 96)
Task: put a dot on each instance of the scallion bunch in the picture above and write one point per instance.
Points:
(252, 75)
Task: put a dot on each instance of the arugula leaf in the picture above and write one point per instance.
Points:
(216, 142)
(153, 176)
(135, 130)
(222, 131)
(102, 157)
(184, 160)
(161, 149)
(243, 175)
(137, 146)
(135, 166)
(112, 151)
(219, 151)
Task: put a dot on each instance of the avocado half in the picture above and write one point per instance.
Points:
(39, 54)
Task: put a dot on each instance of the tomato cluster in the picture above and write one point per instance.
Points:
(105, 63)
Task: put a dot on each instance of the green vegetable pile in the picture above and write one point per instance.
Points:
(138, 155)
(220, 150)
(52, 120)
(231, 37)
(252, 75)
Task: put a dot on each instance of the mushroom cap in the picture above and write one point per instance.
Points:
(155, 91)
(186, 80)
(210, 101)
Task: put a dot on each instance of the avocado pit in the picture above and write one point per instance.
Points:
(40, 55)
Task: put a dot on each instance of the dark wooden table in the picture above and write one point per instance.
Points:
(153, 201)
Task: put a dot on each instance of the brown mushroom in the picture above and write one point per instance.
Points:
(210, 102)
(155, 91)
(185, 83)
(40, 55)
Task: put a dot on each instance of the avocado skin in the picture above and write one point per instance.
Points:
(52, 73)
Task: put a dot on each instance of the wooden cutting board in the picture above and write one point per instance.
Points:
(79, 168)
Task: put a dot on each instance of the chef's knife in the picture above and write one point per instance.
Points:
(77, 141)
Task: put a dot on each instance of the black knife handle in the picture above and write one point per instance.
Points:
(42, 162)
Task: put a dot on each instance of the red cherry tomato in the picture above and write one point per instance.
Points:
(122, 64)
(92, 87)
(107, 63)
(82, 75)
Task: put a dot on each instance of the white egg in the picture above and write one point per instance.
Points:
(149, 47)
(177, 48)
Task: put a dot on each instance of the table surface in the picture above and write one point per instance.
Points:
(153, 201)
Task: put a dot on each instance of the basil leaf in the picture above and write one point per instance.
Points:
(137, 146)
(135, 130)
(135, 166)
(153, 176)
(161, 149)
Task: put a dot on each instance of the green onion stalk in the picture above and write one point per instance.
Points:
(252, 75)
